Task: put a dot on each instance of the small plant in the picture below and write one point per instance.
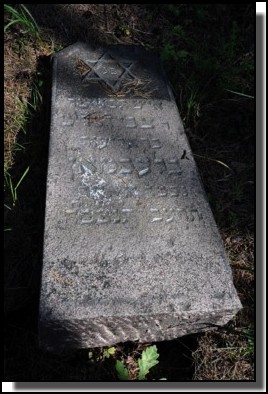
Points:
(24, 18)
(123, 30)
(147, 360)
(13, 188)
(248, 333)
(105, 354)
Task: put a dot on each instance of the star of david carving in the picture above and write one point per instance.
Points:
(109, 70)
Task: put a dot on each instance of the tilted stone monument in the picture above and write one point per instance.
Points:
(131, 249)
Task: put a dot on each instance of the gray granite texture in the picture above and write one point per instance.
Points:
(131, 248)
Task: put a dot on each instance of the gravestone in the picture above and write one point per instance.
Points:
(131, 249)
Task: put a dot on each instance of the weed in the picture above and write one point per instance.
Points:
(122, 30)
(122, 371)
(249, 334)
(23, 17)
(20, 120)
(13, 188)
(104, 355)
(131, 369)
(147, 360)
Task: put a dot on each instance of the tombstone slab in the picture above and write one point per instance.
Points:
(131, 249)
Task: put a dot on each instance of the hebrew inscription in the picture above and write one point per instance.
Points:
(112, 170)
(131, 249)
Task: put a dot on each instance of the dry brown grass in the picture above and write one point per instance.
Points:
(137, 88)
(19, 68)
(241, 254)
(226, 354)
(222, 355)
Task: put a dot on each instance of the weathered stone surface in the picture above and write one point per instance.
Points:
(131, 249)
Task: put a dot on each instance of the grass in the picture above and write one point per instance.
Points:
(224, 355)
(212, 72)
(21, 76)
(13, 189)
(23, 17)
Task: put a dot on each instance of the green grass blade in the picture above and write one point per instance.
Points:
(240, 94)
(24, 17)
(10, 24)
(19, 147)
(11, 10)
(30, 16)
(15, 14)
(22, 177)
(11, 189)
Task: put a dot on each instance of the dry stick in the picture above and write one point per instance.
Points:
(217, 161)
(140, 31)
(130, 87)
(106, 18)
(139, 41)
